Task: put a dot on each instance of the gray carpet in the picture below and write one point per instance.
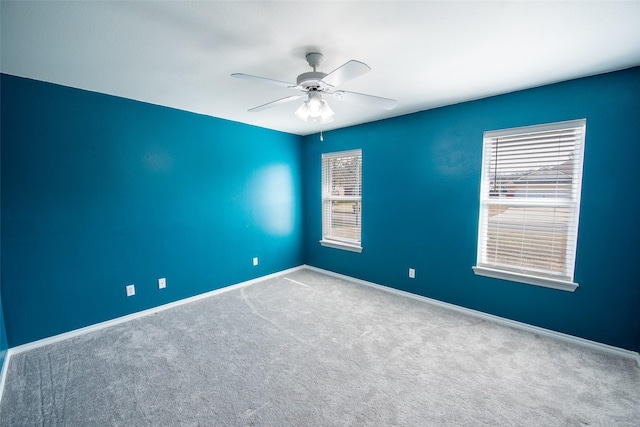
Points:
(308, 349)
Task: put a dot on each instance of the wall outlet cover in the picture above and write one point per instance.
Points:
(131, 290)
(162, 283)
(255, 261)
(412, 273)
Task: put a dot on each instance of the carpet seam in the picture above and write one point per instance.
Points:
(143, 313)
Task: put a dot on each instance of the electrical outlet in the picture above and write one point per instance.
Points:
(255, 261)
(162, 283)
(412, 273)
(131, 290)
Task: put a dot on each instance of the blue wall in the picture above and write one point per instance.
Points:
(99, 192)
(421, 181)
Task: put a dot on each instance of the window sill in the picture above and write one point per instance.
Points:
(524, 278)
(341, 245)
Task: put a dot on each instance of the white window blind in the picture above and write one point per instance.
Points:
(342, 199)
(530, 203)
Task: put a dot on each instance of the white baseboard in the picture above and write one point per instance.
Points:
(496, 319)
(3, 372)
(92, 328)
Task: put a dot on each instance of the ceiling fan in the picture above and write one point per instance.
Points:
(314, 84)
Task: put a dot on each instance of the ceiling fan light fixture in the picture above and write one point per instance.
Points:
(316, 109)
(327, 113)
(314, 104)
(302, 112)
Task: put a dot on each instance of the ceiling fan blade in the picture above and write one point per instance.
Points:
(277, 102)
(264, 80)
(346, 72)
(360, 98)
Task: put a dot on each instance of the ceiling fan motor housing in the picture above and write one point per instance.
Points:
(310, 79)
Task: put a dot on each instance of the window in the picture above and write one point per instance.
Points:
(342, 200)
(530, 204)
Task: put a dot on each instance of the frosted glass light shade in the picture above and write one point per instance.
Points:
(316, 109)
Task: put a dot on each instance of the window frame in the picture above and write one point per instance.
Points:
(328, 239)
(530, 275)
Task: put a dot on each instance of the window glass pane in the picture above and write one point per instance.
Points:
(345, 219)
(532, 238)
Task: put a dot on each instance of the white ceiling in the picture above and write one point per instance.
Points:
(425, 54)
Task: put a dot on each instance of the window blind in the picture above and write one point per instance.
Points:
(341, 197)
(530, 200)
